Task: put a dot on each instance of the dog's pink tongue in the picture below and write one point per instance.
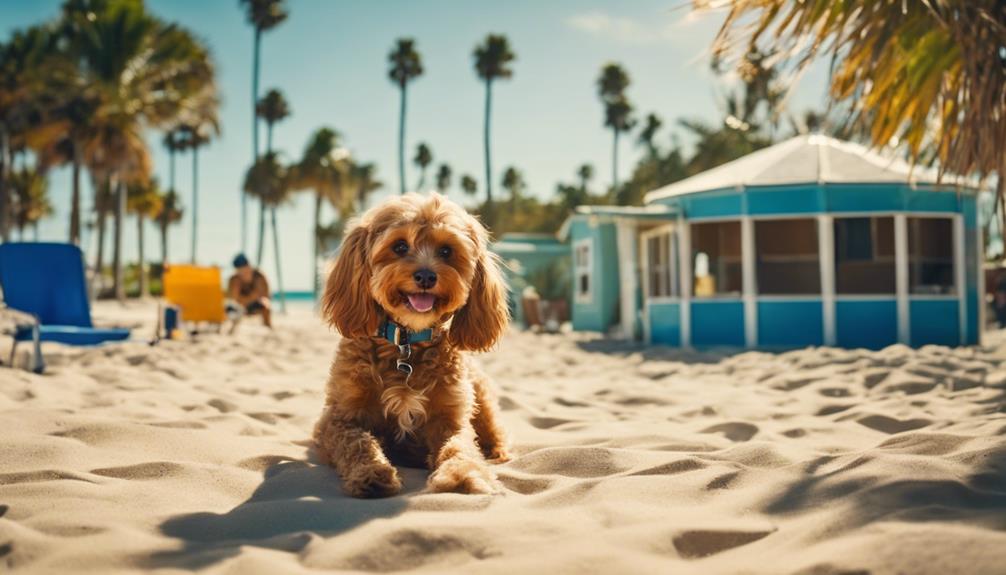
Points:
(422, 301)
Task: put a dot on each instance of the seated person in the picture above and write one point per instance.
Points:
(249, 288)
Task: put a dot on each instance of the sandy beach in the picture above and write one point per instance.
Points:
(195, 455)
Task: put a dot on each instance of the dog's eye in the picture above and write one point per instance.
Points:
(400, 247)
(444, 252)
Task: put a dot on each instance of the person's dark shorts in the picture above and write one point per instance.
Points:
(250, 309)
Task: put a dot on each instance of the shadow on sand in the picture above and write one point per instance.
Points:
(622, 348)
(296, 501)
(977, 499)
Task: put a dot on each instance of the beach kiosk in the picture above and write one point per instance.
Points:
(812, 241)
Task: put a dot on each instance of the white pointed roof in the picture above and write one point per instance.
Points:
(808, 159)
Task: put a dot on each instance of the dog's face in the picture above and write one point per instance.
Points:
(422, 260)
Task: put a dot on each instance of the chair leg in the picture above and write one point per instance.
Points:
(37, 359)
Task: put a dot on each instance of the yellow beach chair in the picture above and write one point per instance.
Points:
(197, 292)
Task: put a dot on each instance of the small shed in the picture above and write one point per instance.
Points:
(538, 260)
(812, 241)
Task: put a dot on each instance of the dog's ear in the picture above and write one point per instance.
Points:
(482, 320)
(347, 304)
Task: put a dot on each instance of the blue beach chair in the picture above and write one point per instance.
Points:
(46, 280)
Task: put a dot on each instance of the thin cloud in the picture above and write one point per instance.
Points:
(620, 29)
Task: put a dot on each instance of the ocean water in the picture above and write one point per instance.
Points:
(296, 300)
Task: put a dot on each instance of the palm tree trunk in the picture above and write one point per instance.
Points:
(422, 179)
(195, 200)
(118, 277)
(279, 269)
(244, 196)
(489, 170)
(315, 280)
(141, 265)
(401, 140)
(614, 163)
(171, 169)
(5, 191)
(262, 210)
(163, 225)
(99, 260)
(75, 201)
(34, 231)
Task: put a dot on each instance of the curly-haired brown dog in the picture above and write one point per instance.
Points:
(415, 269)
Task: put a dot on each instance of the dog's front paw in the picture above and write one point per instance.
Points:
(464, 476)
(373, 481)
(498, 455)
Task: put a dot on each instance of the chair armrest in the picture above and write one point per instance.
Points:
(11, 319)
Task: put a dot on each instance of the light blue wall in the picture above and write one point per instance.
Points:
(602, 311)
(806, 199)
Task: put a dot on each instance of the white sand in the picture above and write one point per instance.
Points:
(195, 455)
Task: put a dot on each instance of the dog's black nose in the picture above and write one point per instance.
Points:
(425, 279)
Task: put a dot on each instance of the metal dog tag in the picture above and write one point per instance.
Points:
(403, 367)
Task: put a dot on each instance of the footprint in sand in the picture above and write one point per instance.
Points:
(723, 481)
(222, 405)
(524, 485)
(673, 467)
(737, 431)
(142, 471)
(700, 543)
(891, 425)
(40, 476)
(833, 409)
(542, 422)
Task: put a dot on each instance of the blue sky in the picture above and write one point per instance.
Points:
(330, 60)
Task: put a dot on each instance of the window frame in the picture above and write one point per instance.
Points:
(586, 269)
(693, 252)
(873, 218)
(670, 266)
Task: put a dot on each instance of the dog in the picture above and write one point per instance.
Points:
(413, 287)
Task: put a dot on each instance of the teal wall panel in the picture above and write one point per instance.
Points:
(790, 323)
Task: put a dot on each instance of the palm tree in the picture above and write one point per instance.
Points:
(406, 65)
(469, 185)
(174, 141)
(585, 173)
(611, 87)
(24, 83)
(323, 170)
(423, 158)
(492, 60)
(144, 201)
(271, 108)
(200, 124)
(170, 213)
(269, 181)
(648, 134)
(142, 71)
(263, 15)
(513, 182)
(363, 179)
(929, 75)
(444, 175)
(31, 194)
